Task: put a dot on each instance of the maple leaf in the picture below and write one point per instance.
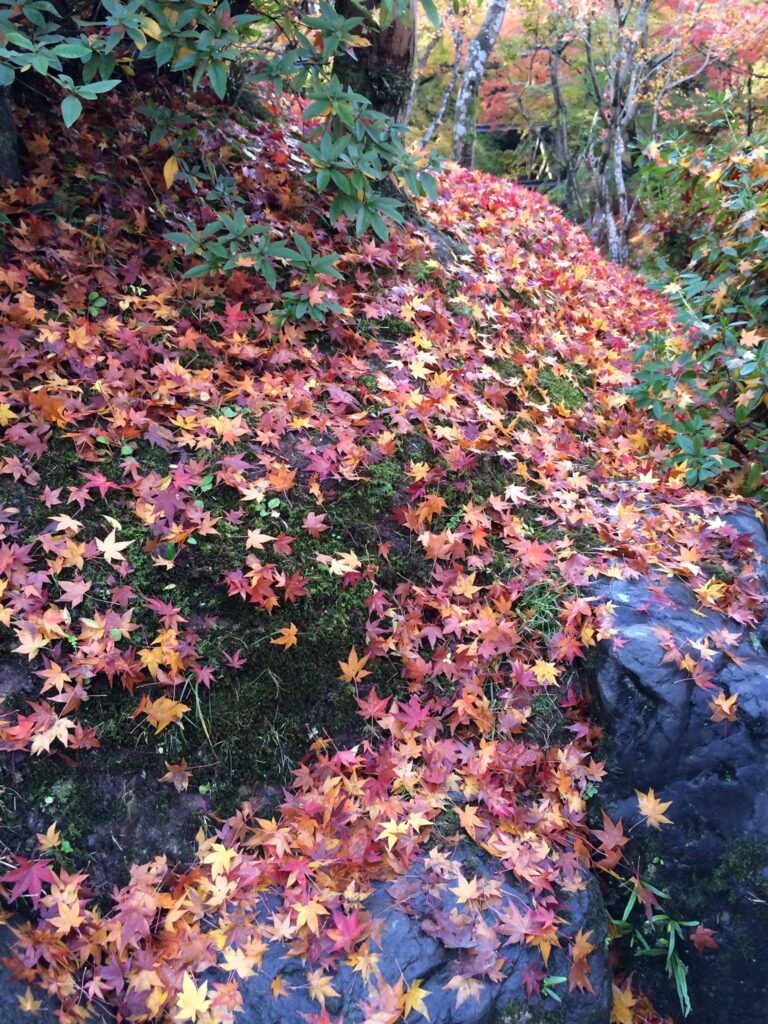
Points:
(49, 839)
(372, 706)
(391, 831)
(414, 999)
(724, 708)
(353, 669)
(112, 548)
(161, 712)
(73, 591)
(469, 819)
(238, 962)
(256, 539)
(315, 524)
(465, 890)
(465, 988)
(278, 986)
(578, 975)
(28, 1003)
(220, 858)
(309, 914)
(320, 986)
(193, 1001)
(621, 1008)
(29, 878)
(177, 775)
(703, 938)
(652, 809)
(545, 672)
(287, 637)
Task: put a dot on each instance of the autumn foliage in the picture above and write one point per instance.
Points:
(493, 369)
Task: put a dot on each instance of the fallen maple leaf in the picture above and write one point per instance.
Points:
(50, 839)
(112, 548)
(287, 637)
(414, 999)
(724, 708)
(704, 938)
(353, 669)
(192, 1002)
(177, 775)
(652, 809)
(161, 712)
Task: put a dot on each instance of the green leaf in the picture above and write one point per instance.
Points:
(71, 109)
(431, 12)
(217, 73)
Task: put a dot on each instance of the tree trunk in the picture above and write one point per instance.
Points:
(416, 78)
(458, 39)
(9, 153)
(383, 71)
(465, 119)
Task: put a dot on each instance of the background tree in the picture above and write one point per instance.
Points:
(607, 77)
(478, 52)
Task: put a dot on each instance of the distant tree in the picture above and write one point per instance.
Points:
(608, 75)
(478, 52)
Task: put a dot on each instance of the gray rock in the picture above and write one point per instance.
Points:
(659, 734)
(408, 950)
(11, 991)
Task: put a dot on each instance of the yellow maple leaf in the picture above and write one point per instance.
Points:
(465, 889)
(545, 672)
(308, 914)
(287, 637)
(353, 669)
(391, 830)
(220, 858)
(28, 1003)
(49, 840)
(414, 999)
(192, 1001)
(6, 414)
(652, 809)
(320, 986)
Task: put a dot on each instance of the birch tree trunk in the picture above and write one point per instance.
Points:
(458, 38)
(416, 77)
(479, 50)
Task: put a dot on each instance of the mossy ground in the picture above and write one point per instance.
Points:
(245, 733)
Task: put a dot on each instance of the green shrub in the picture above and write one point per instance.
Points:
(709, 383)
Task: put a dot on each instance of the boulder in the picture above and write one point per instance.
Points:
(409, 948)
(659, 733)
(12, 991)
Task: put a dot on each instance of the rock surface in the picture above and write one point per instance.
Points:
(12, 991)
(659, 733)
(410, 952)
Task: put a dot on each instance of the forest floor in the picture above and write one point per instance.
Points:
(351, 559)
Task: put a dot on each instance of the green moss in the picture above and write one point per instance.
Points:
(560, 389)
(523, 1013)
(743, 863)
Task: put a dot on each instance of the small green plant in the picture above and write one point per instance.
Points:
(548, 987)
(96, 303)
(659, 935)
